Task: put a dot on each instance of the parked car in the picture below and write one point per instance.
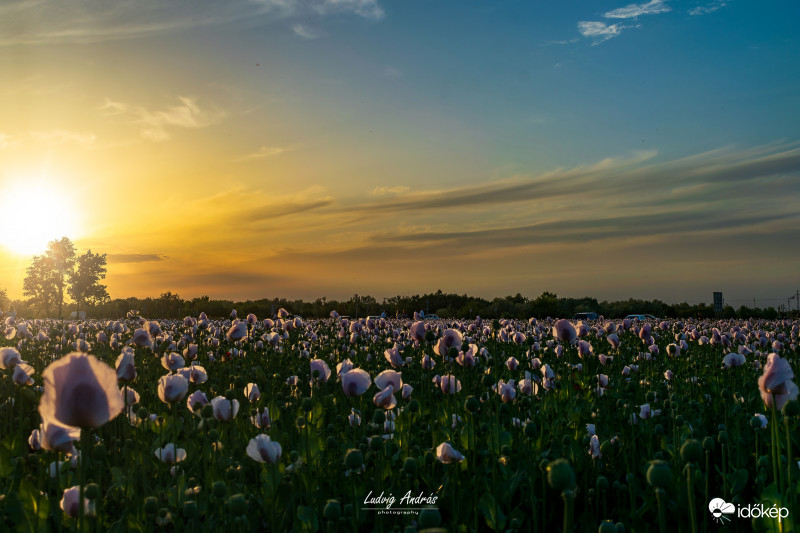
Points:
(641, 317)
(432, 317)
(585, 316)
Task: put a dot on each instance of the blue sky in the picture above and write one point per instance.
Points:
(390, 147)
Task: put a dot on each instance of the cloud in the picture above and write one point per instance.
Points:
(64, 136)
(599, 31)
(708, 8)
(134, 258)
(305, 32)
(654, 7)
(265, 152)
(383, 191)
(154, 125)
(85, 21)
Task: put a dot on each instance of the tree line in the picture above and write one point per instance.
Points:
(60, 273)
(171, 305)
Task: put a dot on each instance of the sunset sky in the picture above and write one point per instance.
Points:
(304, 148)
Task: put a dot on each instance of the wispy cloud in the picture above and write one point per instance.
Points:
(83, 21)
(135, 258)
(154, 125)
(383, 191)
(599, 31)
(306, 32)
(654, 7)
(265, 152)
(708, 8)
(64, 136)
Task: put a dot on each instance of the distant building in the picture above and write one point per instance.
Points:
(80, 315)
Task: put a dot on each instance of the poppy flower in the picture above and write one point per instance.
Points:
(565, 331)
(385, 398)
(237, 332)
(172, 388)
(261, 419)
(126, 367)
(356, 382)
(70, 501)
(252, 393)
(57, 437)
(196, 399)
(9, 358)
(172, 361)
(392, 355)
(22, 374)
(225, 410)
(449, 384)
(264, 450)
(80, 391)
(446, 454)
(320, 371)
(776, 382)
(389, 377)
(170, 455)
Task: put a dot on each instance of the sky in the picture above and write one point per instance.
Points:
(305, 148)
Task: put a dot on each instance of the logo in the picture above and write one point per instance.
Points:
(723, 511)
(408, 504)
(720, 510)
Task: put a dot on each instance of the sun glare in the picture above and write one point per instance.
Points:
(38, 212)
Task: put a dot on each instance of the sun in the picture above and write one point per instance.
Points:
(35, 213)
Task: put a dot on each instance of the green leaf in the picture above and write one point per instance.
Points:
(738, 481)
(494, 516)
(306, 520)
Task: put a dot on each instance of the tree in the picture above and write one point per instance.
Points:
(3, 299)
(39, 284)
(62, 256)
(85, 287)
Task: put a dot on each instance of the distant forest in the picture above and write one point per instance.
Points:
(171, 305)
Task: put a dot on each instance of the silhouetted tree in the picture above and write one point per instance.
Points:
(40, 284)
(85, 287)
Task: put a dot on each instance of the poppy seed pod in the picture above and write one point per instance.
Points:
(560, 475)
(659, 474)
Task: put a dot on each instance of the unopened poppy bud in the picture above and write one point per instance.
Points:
(190, 509)
(353, 459)
(307, 404)
(92, 491)
(429, 518)
(708, 444)
(332, 510)
(219, 489)
(472, 404)
(607, 526)
(601, 483)
(659, 474)
(237, 504)
(692, 451)
(791, 408)
(560, 475)
(150, 505)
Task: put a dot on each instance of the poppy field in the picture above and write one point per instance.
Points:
(288, 424)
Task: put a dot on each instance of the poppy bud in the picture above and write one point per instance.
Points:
(150, 505)
(560, 475)
(602, 483)
(353, 459)
(472, 404)
(237, 504)
(692, 451)
(332, 510)
(607, 526)
(659, 474)
(190, 509)
(708, 444)
(429, 518)
(219, 489)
